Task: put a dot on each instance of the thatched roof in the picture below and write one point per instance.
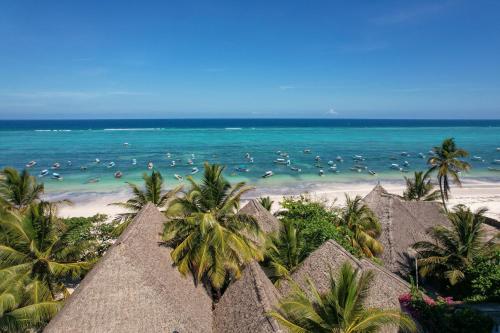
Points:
(403, 224)
(244, 305)
(267, 221)
(385, 290)
(135, 288)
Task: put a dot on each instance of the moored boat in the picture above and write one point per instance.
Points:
(118, 174)
(56, 166)
(43, 173)
(194, 170)
(30, 164)
(267, 174)
(178, 177)
(150, 165)
(56, 176)
(111, 164)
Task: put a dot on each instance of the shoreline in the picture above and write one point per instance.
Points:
(473, 193)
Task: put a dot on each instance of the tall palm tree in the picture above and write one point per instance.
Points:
(341, 309)
(360, 219)
(29, 247)
(152, 192)
(266, 202)
(211, 240)
(19, 189)
(452, 250)
(285, 252)
(446, 161)
(420, 188)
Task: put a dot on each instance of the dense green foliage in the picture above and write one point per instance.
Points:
(443, 315)
(210, 239)
(341, 309)
(266, 202)
(18, 189)
(317, 223)
(452, 250)
(446, 162)
(420, 188)
(482, 279)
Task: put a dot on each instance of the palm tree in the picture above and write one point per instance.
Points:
(360, 219)
(210, 238)
(341, 309)
(285, 252)
(19, 189)
(266, 202)
(153, 192)
(446, 162)
(29, 249)
(452, 250)
(420, 188)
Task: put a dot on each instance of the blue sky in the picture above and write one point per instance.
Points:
(178, 59)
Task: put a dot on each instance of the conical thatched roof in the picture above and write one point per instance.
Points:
(385, 290)
(244, 305)
(403, 224)
(135, 288)
(267, 221)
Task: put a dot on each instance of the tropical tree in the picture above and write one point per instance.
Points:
(420, 188)
(340, 309)
(453, 249)
(211, 240)
(446, 162)
(363, 223)
(30, 250)
(285, 252)
(152, 193)
(19, 190)
(266, 202)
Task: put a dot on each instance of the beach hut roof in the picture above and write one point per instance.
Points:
(403, 223)
(135, 288)
(266, 221)
(244, 305)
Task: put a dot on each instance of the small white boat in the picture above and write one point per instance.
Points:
(118, 174)
(172, 164)
(307, 151)
(371, 172)
(431, 152)
(31, 164)
(267, 174)
(339, 159)
(251, 159)
(321, 172)
(247, 156)
(193, 156)
(496, 161)
(405, 154)
(331, 163)
(333, 168)
(194, 170)
(358, 158)
(317, 158)
(43, 173)
(56, 176)
(178, 177)
(421, 155)
(125, 144)
(97, 160)
(56, 166)
(284, 155)
(134, 161)
(295, 169)
(150, 165)
(395, 166)
(281, 161)
(111, 164)
(83, 168)
(406, 163)
(69, 163)
(190, 162)
(242, 169)
(477, 158)
(168, 155)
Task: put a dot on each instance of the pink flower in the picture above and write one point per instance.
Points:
(405, 298)
(429, 301)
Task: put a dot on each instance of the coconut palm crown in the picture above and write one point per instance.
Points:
(19, 189)
(420, 188)
(341, 309)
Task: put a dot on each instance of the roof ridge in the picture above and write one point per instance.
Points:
(385, 271)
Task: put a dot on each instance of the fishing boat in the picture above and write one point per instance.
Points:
(358, 158)
(331, 163)
(339, 159)
(282, 161)
(247, 156)
(190, 162)
(178, 177)
(496, 161)
(56, 176)
(150, 165)
(395, 166)
(321, 172)
(97, 161)
(125, 144)
(172, 164)
(371, 172)
(267, 174)
(56, 166)
(194, 170)
(405, 154)
(92, 180)
(296, 169)
(118, 174)
(307, 151)
(251, 160)
(317, 158)
(168, 155)
(333, 168)
(477, 158)
(242, 169)
(43, 173)
(111, 164)
(421, 155)
(134, 161)
(193, 156)
(31, 164)
(406, 163)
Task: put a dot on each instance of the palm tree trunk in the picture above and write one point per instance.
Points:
(441, 190)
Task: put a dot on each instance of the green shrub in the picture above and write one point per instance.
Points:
(482, 279)
(317, 223)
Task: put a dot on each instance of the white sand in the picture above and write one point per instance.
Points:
(474, 194)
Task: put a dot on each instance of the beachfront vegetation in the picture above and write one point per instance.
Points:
(446, 162)
(363, 224)
(482, 279)
(210, 239)
(266, 202)
(152, 192)
(452, 250)
(18, 189)
(340, 309)
(420, 188)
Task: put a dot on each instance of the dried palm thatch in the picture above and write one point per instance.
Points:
(266, 221)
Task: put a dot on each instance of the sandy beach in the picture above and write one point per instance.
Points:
(473, 193)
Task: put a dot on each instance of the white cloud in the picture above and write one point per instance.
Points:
(332, 112)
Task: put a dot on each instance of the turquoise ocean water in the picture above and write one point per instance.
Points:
(380, 142)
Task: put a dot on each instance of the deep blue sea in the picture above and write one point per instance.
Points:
(381, 143)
